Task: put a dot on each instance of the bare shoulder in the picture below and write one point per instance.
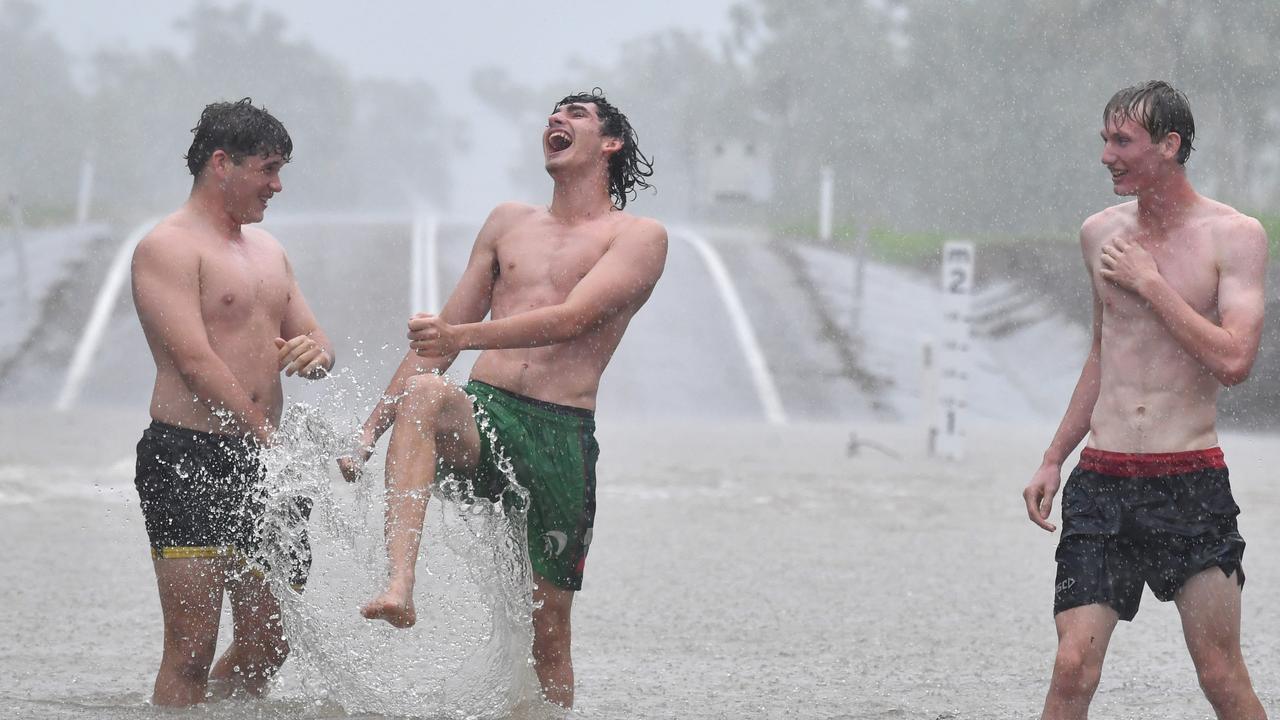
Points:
(503, 219)
(1232, 228)
(1098, 226)
(260, 236)
(642, 230)
(171, 243)
(267, 243)
(504, 215)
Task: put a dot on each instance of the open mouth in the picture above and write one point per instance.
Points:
(559, 140)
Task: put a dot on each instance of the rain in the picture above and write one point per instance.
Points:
(814, 435)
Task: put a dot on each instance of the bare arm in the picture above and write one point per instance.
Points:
(1075, 424)
(303, 348)
(1228, 350)
(468, 303)
(166, 292)
(623, 277)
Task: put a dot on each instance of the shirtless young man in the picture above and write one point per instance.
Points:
(1177, 314)
(223, 316)
(561, 284)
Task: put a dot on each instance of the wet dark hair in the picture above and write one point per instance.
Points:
(1158, 107)
(628, 167)
(238, 129)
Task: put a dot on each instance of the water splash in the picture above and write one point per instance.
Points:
(469, 656)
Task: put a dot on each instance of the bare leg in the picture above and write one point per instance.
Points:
(552, 640)
(259, 647)
(1209, 604)
(434, 420)
(191, 601)
(1083, 635)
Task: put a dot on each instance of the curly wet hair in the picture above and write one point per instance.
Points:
(629, 169)
(238, 129)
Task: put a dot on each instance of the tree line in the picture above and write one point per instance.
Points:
(360, 143)
(973, 117)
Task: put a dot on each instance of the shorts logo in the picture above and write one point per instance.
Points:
(555, 541)
(1065, 585)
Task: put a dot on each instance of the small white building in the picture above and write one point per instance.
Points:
(732, 172)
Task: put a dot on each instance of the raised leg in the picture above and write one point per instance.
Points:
(434, 422)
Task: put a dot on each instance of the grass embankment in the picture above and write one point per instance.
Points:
(922, 249)
(890, 245)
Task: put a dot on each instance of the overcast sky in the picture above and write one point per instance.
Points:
(437, 41)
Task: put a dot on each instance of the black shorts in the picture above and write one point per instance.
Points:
(200, 497)
(1157, 519)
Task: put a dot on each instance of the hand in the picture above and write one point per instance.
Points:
(302, 356)
(1039, 494)
(431, 336)
(1127, 264)
(352, 466)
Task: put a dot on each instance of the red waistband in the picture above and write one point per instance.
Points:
(1131, 465)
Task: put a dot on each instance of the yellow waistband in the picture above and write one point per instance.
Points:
(186, 552)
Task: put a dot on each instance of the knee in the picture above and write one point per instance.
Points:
(1221, 676)
(423, 393)
(1076, 672)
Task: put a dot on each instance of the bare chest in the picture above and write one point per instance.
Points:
(240, 285)
(541, 266)
(1188, 265)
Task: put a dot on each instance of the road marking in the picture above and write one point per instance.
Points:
(762, 378)
(91, 338)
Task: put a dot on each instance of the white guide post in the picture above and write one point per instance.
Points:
(424, 261)
(826, 195)
(84, 195)
(954, 360)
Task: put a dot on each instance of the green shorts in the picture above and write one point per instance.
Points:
(553, 451)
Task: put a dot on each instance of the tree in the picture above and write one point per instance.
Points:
(42, 115)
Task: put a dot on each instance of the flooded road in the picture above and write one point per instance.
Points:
(737, 571)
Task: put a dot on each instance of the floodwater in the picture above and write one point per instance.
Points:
(737, 571)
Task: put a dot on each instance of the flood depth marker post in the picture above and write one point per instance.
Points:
(953, 358)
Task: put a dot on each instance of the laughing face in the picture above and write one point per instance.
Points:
(250, 185)
(573, 136)
(1134, 160)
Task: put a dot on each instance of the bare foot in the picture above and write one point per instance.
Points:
(394, 607)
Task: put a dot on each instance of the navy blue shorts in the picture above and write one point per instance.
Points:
(1135, 519)
(200, 494)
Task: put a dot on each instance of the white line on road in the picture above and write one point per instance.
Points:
(751, 351)
(87, 348)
